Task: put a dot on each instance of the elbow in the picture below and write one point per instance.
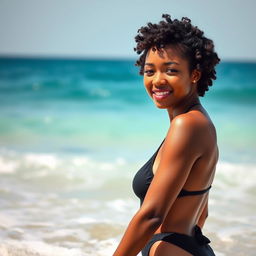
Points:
(155, 223)
(152, 219)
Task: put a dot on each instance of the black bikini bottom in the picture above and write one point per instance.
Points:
(196, 245)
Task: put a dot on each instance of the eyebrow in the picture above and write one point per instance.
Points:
(166, 63)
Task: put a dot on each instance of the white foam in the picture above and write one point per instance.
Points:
(106, 247)
(65, 235)
(49, 161)
(7, 166)
(217, 253)
(35, 248)
(236, 177)
(86, 220)
(82, 176)
(6, 221)
(69, 170)
(120, 205)
(80, 161)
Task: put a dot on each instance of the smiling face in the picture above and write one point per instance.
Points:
(167, 78)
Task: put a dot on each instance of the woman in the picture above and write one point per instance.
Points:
(177, 62)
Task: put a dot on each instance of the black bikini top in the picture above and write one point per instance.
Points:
(144, 176)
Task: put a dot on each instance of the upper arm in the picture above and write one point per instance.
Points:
(180, 150)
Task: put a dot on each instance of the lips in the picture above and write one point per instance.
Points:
(161, 94)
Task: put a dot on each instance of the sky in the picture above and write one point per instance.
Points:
(106, 28)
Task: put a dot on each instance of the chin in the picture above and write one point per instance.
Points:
(160, 106)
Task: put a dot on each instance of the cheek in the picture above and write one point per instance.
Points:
(182, 87)
(147, 84)
(145, 80)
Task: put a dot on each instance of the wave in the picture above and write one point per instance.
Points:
(74, 170)
(54, 202)
(35, 248)
(37, 80)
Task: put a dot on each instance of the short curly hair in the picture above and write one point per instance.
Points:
(188, 39)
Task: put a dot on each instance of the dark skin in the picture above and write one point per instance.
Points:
(186, 159)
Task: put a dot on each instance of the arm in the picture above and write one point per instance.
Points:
(180, 150)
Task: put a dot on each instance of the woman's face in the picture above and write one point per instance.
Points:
(167, 78)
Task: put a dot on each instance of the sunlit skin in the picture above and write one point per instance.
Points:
(186, 159)
(165, 70)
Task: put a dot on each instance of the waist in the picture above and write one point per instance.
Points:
(195, 234)
(173, 227)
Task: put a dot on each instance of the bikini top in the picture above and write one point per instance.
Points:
(144, 176)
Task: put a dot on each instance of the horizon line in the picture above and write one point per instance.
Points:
(97, 57)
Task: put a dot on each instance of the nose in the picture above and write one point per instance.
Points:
(159, 79)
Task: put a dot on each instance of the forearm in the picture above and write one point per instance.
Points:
(138, 232)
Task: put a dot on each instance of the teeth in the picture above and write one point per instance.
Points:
(161, 93)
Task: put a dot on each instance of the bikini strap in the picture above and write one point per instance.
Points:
(184, 192)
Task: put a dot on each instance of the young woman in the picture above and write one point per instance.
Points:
(178, 64)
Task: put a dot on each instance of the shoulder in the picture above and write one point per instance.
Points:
(188, 132)
(191, 123)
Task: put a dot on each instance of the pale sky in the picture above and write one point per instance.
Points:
(106, 28)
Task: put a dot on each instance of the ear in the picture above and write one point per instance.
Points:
(195, 76)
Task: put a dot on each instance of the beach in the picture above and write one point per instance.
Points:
(73, 133)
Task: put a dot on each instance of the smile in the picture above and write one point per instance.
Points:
(159, 95)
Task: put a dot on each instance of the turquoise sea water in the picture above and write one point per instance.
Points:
(74, 132)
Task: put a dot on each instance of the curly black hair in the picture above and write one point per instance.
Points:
(188, 39)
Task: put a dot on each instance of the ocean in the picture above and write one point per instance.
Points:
(73, 133)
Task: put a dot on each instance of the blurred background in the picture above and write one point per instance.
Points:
(76, 123)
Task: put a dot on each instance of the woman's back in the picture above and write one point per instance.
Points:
(187, 210)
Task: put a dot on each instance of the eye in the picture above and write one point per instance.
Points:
(171, 71)
(149, 72)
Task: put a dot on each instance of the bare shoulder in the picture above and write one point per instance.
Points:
(192, 122)
(193, 131)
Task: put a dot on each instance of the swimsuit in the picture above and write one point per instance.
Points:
(145, 175)
(197, 244)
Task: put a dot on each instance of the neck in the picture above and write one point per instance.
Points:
(182, 108)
